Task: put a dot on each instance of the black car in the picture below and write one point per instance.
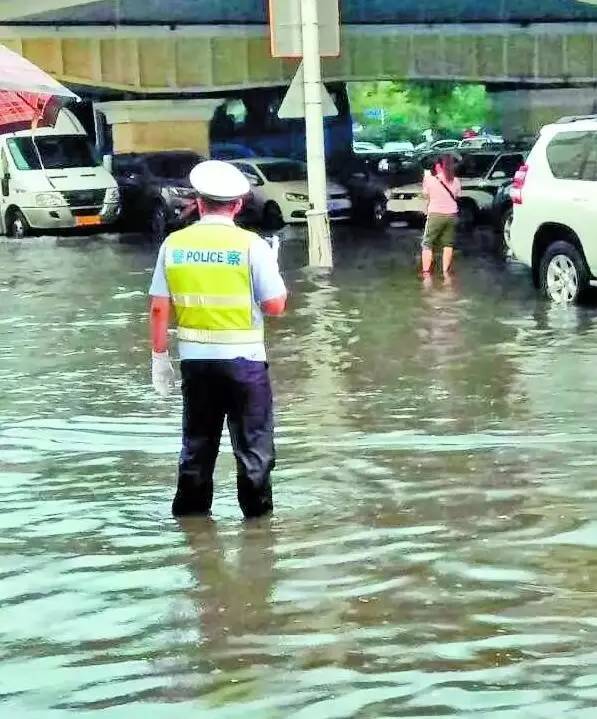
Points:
(369, 181)
(156, 192)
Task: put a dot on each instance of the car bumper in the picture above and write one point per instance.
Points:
(337, 210)
(406, 207)
(55, 218)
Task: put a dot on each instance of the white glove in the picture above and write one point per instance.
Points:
(274, 242)
(162, 373)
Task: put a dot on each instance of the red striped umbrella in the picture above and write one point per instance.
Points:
(29, 97)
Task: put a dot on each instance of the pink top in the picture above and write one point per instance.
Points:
(440, 202)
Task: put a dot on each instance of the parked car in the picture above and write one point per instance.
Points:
(365, 148)
(403, 147)
(481, 141)
(370, 182)
(280, 191)
(481, 173)
(555, 209)
(230, 151)
(156, 191)
(52, 179)
(437, 146)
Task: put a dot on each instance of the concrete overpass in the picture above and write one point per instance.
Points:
(192, 58)
(150, 47)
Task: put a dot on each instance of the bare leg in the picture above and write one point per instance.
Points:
(427, 260)
(447, 260)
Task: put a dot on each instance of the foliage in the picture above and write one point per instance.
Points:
(411, 108)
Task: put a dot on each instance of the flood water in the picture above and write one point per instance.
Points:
(434, 547)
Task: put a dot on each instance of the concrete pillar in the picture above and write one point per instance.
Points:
(154, 125)
(524, 112)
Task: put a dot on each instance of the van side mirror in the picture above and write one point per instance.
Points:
(107, 163)
(6, 184)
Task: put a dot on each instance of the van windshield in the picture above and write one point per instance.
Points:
(57, 152)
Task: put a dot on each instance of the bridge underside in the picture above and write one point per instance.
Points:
(148, 60)
(187, 12)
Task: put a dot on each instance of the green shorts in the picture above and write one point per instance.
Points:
(440, 231)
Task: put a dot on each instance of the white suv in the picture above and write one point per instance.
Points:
(554, 231)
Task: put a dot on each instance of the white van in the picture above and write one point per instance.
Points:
(50, 179)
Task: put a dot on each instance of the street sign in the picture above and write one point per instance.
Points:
(286, 28)
(374, 113)
(293, 104)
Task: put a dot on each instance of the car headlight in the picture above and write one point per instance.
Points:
(389, 194)
(50, 199)
(112, 196)
(296, 197)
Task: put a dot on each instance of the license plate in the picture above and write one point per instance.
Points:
(88, 220)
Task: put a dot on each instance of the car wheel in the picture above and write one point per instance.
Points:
(507, 226)
(563, 274)
(157, 225)
(272, 216)
(17, 226)
(379, 213)
(467, 215)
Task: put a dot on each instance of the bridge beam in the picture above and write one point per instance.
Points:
(211, 58)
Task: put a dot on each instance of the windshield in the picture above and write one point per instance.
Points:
(57, 152)
(173, 167)
(284, 171)
(475, 165)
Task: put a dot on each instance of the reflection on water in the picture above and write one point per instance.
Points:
(432, 552)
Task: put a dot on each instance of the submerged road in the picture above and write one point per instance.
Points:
(433, 548)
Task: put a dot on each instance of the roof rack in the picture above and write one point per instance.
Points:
(574, 118)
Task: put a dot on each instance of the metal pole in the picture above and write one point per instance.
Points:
(320, 245)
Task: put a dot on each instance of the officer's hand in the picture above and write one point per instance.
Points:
(162, 373)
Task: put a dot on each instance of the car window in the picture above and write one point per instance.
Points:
(23, 153)
(589, 171)
(284, 171)
(475, 166)
(120, 165)
(247, 169)
(568, 154)
(509, 165)
(60, 152)
(172, 166)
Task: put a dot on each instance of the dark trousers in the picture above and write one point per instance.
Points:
(239, 390)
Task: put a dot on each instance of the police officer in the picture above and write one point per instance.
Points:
(220, 281)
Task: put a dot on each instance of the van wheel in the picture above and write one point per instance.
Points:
(157, 224)
(17, 226)
(563, 274)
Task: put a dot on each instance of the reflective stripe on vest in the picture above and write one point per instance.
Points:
(208, 300)
(221, 337)
(209, 278)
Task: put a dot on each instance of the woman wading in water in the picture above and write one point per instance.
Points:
(442, 189)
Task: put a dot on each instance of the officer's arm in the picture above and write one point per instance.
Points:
(274, 307)
(159, 315)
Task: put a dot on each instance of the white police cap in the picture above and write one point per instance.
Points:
(219, 180)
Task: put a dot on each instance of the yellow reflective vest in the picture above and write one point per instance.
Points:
(209, 278)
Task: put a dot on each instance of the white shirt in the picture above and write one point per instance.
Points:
(267, 285)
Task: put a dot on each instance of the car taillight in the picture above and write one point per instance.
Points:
(519, 180)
